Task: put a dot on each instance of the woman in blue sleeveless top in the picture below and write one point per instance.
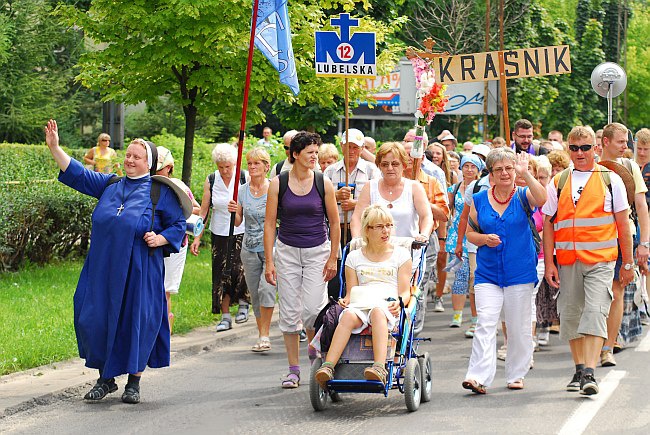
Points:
(505, 269)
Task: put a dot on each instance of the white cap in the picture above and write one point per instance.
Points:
(448, 137)
(356, 137)
(481, 149)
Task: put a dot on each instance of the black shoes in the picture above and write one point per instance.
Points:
(131, 394)
(574, 385)
(101, 389)
(588, 385)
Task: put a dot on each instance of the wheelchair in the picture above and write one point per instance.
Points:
(409, 372)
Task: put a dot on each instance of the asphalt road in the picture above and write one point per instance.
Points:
(233, 390)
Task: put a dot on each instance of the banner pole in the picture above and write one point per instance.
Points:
(346, 157)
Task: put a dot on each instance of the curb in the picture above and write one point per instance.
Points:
(46, 384)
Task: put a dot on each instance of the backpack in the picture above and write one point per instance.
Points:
(212, 177)
(328, 318)
(320, 187)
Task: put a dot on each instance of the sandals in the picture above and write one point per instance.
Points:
(324, 374)
(224, 325)
(476, 388)
(376, 372)
(131, 394)
(242, 314)
(102, 388)
(292, 380)
(262, 345)
(516, 385)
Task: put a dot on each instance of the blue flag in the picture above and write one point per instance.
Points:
(273, 39)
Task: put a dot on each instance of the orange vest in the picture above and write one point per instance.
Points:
(585, 232)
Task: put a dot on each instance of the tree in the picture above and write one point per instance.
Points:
(35, 68)
(196, 52)
(586, 58)
(638, 68)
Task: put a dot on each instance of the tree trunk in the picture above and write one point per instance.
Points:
(190, 127)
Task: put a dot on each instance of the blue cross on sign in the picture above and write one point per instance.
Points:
(345, 55)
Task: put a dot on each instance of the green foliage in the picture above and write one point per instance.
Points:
(588, 56)
(196, 53)
(35, 62)
(638, 67)
(42, 219)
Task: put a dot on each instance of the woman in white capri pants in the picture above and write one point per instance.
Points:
(505, 269)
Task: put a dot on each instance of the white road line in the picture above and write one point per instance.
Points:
(644, 346)
(581, 417)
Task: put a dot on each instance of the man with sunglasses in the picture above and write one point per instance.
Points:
(583, 226)
(522, 139)
(615, 142)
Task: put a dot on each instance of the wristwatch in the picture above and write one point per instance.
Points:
(628, 266)
(645, 244)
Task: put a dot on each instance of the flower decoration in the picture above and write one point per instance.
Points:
(432, 100)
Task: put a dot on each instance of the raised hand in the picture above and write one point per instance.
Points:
(51, 134)
(521, 163)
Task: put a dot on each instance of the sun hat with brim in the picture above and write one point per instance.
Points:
(181, 194)
(448, 137)
(622, 172)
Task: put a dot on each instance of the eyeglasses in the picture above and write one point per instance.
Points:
(583, 148)
(394, 164)
(381, 227)
(105, 140)
(528, 136)
(286, 148)
(506, 169)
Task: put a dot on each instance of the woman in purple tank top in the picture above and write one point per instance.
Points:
(304, 259)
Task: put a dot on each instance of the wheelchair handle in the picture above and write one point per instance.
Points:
(418, 244)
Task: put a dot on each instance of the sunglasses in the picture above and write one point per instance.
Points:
(286, 148)
(583, 148)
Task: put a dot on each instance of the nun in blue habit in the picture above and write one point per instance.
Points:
(120, 310)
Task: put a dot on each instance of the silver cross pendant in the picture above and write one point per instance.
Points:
(119, 209)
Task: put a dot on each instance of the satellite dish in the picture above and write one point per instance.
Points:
(608, 74)
(608, 80)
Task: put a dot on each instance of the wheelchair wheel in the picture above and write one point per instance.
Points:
(317, 395)
(426, 380)
(335, 397)
(412, 387)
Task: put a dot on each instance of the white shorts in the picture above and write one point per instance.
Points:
(174, 266)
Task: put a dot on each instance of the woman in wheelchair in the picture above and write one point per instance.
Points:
(376, 275)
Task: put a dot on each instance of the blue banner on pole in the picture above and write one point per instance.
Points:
(273, 39)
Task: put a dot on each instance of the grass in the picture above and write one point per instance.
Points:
(37, 315)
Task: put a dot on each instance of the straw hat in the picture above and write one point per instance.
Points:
(622, 172)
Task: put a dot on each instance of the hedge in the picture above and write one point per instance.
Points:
(42, 219)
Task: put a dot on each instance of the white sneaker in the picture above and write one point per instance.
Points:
(543, 337)
(437, 305)
(502, 352)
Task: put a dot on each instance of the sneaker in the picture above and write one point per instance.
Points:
(607, 359)
(437, 305)
(470, 332)
(588, 385)
(303, 335)
(456, 321)
(543, 337)
(574, 385)
(532, 363)
(224, 325)
(618, 347)
(502, 352)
